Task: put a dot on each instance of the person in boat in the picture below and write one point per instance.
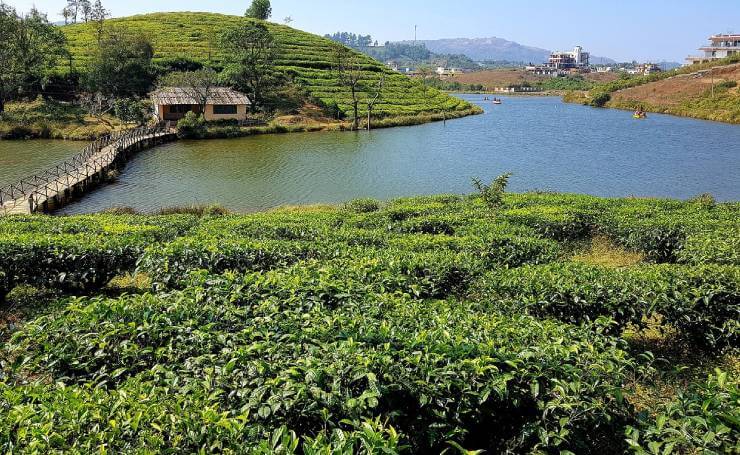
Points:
(639, 113)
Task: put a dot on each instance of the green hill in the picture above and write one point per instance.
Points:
(305, 58)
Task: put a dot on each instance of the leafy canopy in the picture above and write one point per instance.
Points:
(252, 52)
(260, 9)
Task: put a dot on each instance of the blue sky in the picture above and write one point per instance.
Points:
(621, 29)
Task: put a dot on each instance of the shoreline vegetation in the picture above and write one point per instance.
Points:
(536, 322)
(706, 91)
(71, 123)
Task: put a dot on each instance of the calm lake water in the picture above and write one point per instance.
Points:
(19, 159)
(546, 144)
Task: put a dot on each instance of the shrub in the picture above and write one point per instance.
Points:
(600, 99)
(438, 370)
(363, 205)
(192, 126)
(702, 419)
(493, 194)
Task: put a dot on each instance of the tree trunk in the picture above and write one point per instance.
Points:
(369, 111)
(2, 104)
(355, 109)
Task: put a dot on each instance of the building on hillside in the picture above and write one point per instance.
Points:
(574, 59)
(648, 68)
(720, 46)
(223, 103)
(561, 63)
(448, 72)
(544, 70)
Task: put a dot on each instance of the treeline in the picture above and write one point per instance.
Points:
(352, 39)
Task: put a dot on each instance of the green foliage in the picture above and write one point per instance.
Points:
(30, 47)
(78, 254)
(600, 99)
(703, 419)
(492, 194)
(132, 111)
(191, 126)
(700, 302)
(259, 9)
(363, 205)
(250, 65)
(415, 325)
(121, 65)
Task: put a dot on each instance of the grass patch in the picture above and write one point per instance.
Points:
(603, 252)
(53, 120)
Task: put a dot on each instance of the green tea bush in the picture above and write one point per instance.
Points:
(555, 222)
(718, 246)
(703, 419)
(439, 370)
(78, 254)
(702, 303)
(363, 205)
(169, 264)
(572, 292)
(421, 325)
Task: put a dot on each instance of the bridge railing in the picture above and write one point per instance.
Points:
(88, 162)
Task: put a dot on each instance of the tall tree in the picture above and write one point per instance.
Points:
(98, 14)
(29, 48)
(197, 84)
(251, 51)
(121, 66)
(348, 65)
(9, 76)
(85, 9)
(377, 95)
(260, 9)
(73, 6)
(66, 14)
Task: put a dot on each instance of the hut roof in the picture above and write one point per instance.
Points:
(180, 95)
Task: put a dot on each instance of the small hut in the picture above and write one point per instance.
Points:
(222, 103)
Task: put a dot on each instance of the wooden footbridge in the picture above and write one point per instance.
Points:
(57, 185)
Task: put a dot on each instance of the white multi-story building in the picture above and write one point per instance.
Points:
(720, 46)
(576, 58)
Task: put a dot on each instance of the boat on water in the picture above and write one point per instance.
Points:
(639, 114)
(496, 101)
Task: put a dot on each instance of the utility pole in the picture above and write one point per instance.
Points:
(415, 35)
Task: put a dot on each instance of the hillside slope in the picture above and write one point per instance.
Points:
(688, 95)
(708, 91)
(488, 49)
(495, 49)
(305, 58)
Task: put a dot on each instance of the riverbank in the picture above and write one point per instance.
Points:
(298, 124)
(55, 120)
(707, 92)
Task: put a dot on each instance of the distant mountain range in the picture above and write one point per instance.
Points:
(495, 49)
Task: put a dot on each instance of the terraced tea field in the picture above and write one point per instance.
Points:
(554, 324)
(308, 60)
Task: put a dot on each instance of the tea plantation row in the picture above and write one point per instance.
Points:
(414, 326)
